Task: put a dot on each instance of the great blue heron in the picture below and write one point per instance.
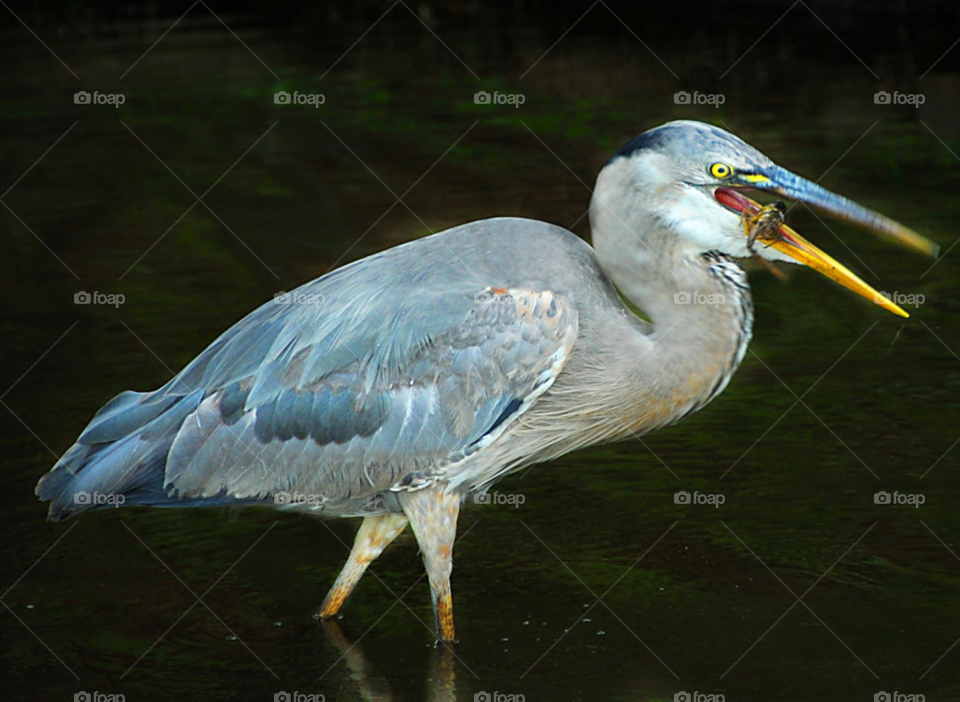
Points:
(394, 387)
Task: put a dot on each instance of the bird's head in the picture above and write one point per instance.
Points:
(687, 180)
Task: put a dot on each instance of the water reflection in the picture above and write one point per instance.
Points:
(371, 685)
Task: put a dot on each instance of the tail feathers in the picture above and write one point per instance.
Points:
(124, 414)
(122, 452)
(54, 482)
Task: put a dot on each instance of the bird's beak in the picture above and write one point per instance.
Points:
(787, 241)
(790, 185)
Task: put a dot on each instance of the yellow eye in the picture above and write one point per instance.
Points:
(721, 170)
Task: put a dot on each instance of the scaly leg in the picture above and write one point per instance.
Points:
(374, 535)
(433, 515)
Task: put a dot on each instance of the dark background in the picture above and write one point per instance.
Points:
(94, 604)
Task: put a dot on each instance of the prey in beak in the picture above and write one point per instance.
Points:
(766, 225)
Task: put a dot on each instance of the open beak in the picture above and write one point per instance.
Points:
(787, 241)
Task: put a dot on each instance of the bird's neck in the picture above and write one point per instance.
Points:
(701, 311)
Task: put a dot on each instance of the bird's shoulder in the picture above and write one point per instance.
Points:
(383, 308)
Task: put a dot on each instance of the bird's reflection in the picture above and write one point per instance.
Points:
(441, 680)
(442, 683)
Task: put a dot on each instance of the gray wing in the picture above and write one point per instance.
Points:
(343, 406)
(376, 377)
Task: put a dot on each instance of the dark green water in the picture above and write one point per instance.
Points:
(709, 607)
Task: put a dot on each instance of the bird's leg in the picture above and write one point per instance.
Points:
(374, 535)
(433, 515)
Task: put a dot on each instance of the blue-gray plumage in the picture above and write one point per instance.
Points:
(397, 385)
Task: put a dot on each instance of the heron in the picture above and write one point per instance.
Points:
(393, 388)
